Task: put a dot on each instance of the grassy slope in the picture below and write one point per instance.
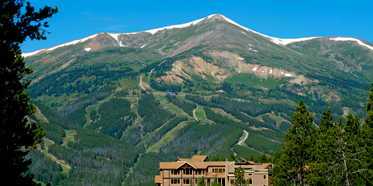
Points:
(166, 138)
(69, 137)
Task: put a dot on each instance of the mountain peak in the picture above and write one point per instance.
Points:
(212, 17)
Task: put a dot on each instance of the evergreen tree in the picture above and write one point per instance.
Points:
(201, 181)
(323, 145)
(298, 150)
(367, 141)
(251, 158)
(239, 177)
(337, 152)
(341, 155)
(263, 159)
(17, 136)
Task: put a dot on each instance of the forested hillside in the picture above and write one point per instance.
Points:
(112, 113)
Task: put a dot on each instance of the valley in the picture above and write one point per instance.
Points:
(114, 105)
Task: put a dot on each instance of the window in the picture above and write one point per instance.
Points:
(175, 172)
(186, 181)
(264, 176)
(218, 170)
(198, 172)
(175, 181)
(187, 171)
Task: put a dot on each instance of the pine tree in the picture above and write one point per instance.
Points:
(239, 177)
(337, 152)
(251, 158)
(17, 136)
(324, 139)
(201, 181)
(367, 141)
(298, 149)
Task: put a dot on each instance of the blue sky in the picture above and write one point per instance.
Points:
(284, 19)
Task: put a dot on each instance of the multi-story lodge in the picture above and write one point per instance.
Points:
(184, 170)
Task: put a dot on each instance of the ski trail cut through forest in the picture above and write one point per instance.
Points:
(251, 147)
(141, 83)
(130, 171)
(244, 139)
(194, 113)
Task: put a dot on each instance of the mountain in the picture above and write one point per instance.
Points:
(185, 89)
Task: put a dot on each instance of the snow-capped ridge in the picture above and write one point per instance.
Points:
(278, 41)
(58, 46)
(351, 39)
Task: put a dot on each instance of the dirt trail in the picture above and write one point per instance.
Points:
(141, 82)
(42, 115)
(243, 140)
(59, 161)
(49, 140)
(150, 73)
(194, 114)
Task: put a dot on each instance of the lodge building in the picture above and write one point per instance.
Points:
(183, 171)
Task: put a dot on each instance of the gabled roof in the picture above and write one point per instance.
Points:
(174, 165)
(195, 165)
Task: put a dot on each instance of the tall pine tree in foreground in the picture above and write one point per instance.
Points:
(17, 137)
(337, 153)
(342, 154)
(298, 149)
(324, 139)
(367, 141)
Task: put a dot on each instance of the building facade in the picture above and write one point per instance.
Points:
(184, 171)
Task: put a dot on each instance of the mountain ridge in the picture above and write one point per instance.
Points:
(279, 41)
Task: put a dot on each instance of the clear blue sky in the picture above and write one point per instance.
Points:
(284, 19)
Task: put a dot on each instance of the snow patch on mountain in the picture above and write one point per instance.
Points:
(87, 49)
(73, 42)
(153, 31)
(288, 41)
(352, 39)
(278, 41)
(31, 53)
(115, 36)
(61, 45)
